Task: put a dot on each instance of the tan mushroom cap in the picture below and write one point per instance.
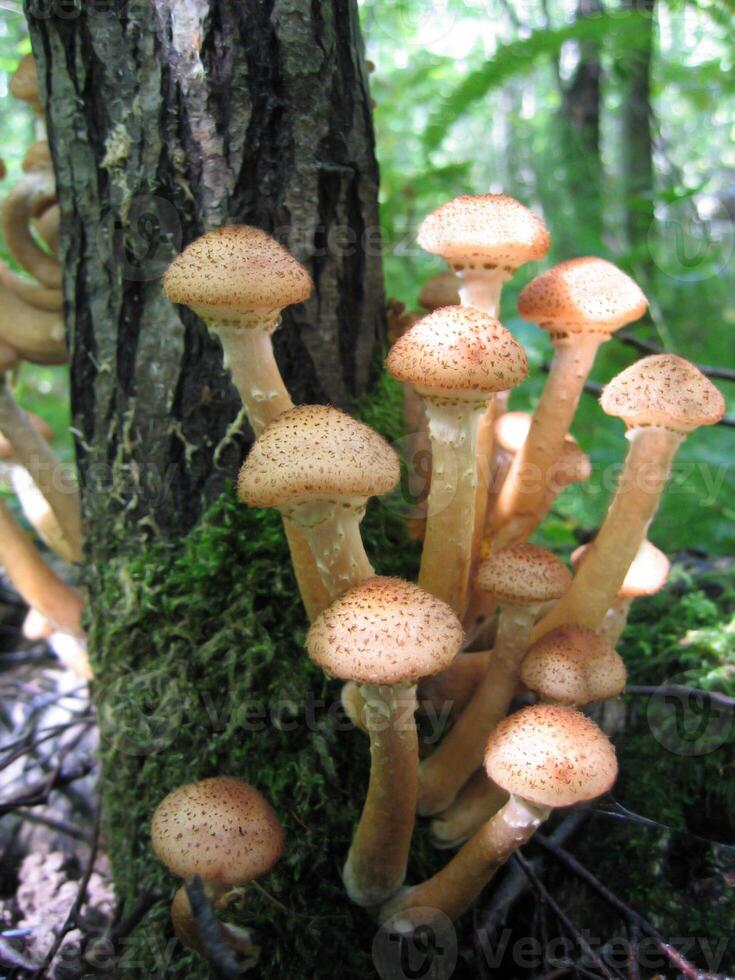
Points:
(485, 231)
(523, 575)
(385, 631)
(440, 290)
(552, 756)
(511, 429)
(24, 81)
(316, 451)
(220, 829)
(40, 425)
(647, 574)
(666, 391)
(233, 271)
(573, 665)
(572, 465)
(458, 352)
(582, 296)
(38, 156)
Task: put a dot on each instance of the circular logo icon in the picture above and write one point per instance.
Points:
(427, 953)
(140, 713)
(687, 722)
(688, 249)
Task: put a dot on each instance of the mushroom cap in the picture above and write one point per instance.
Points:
(40, 425)
(573, 665)
(440, 290)
(493, 229)
(582, 296)
(316, 451)
(511, 429)
(647, 574)
(572, 465)
(220, 829)
(666, 391)
(524, 574)
(552, 756)
(24, 81)
(458, 352)
(37, 156)
(233, 271)
(385, 631)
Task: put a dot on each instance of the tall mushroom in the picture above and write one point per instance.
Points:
(581, 303)
(456, 358)
(545, 757)
(319, 467)
(385, 634)
(521, 579)
(222, 830)
(646, 576)
(661, 399)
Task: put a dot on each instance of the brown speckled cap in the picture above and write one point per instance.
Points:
(440, 290)
(647, 574)
(572, 465)
(24, 81)
(316, 451)
(458, 352)
(220, 829)
(582, 296)
(573, 665)
(385, 631)
(552, 756)
(663, 390)
(487, 230)
(524, 574)
(235, 271)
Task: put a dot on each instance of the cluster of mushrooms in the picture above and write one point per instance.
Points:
(495, 776)
(32, 331)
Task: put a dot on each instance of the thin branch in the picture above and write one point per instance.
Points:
(679, 690)
(214, 946)
(646, 347)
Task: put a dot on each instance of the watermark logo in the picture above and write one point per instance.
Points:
(428, 953)
(686, 722)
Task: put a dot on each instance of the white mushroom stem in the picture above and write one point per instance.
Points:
(332, 531)
(600, 577)
(36, 583)
(39, 515)
(453, 889)
(447, 558)
(615, 621)
(525, 488)
(482, 288)
(376, 865)
(446, 770)
(48, 473)
(478, 800)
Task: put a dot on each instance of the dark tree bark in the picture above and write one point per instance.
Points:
(166, 119)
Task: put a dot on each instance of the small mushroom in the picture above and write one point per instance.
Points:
(222, 830)
(572, 665)
(545, 757)
(456, 358)
(646, 576)
(661, 399)
(319, 467)
(385, 634)
(521, 579)
(24, 84)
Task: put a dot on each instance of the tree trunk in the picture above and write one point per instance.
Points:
(167, 119)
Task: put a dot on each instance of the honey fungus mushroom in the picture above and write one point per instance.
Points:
(222, 830)
(573, 665)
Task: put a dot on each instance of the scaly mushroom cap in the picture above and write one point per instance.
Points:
(458, 352)
(385, 631)
(40, 425)
(316, 451)
(234, 271)
(666, 391)
(582, 296)
(552, 756)
(523, 575)
(511, 429)
(573, 665)
(440, 290)
(220, 829)
(572, 465)
(484, 231)
(24, 81)
(38, 156)
(647, 574)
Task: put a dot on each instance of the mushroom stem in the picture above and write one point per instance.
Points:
(446, 560)
(525, 488)
(443, 774)
(615, 621)
(332, 531)
(313, 592)
(600, 577)
(38, 296)
(37, 335)
(38, 585)
(453, 889)
(39, 515)
(248, 354)
(30, 197)
(36, 456)
(376, 864)
(482, 288)
(478, 800)
(453, 688)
